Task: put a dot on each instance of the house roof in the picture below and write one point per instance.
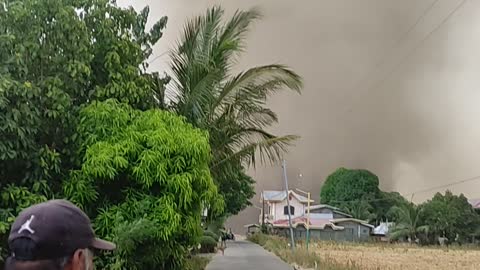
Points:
(363, 222)
(475, 203)
(319, 222)
(279, 195)
(383, 228)
(314, 223)
(333, 208)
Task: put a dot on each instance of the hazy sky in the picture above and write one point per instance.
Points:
(390, 86)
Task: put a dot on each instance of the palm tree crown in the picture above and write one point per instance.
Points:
(231, 107)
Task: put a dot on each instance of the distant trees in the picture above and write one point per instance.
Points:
(357, 192)
(445, 215)
(450, 216)
(408, 223)
(345, 185)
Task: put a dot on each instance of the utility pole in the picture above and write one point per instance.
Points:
(292, 241)
(263, 211)
(308, 214)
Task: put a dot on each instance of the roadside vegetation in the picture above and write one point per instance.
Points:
(371, 256)
(301, 257)
(445, 218)
(197, 262)
(82, 117)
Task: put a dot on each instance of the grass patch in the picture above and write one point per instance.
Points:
(302, 257)
(197, 262)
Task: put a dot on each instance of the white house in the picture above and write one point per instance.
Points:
(275, 205)
(325, 222)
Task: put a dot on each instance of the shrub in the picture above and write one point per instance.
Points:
(212, 235)
(207, 244)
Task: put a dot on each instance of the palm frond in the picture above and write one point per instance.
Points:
(423, 229)
(270, 149)
(396, 234)
(232, 108)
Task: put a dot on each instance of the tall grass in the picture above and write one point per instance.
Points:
(197, 263)
(307, 259)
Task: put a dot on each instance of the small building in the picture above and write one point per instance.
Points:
(343, 229)
(326, 222)
(380, 233)
(276, 207)
(252, 228)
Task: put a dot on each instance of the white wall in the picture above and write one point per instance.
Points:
(384, 89)
(299, 209)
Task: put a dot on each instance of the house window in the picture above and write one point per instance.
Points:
(292, 210)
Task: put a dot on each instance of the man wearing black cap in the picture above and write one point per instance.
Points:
(55, 235)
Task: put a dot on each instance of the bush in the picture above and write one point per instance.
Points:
(212, 235)
(208, 244)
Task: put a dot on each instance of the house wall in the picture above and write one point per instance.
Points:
(299, 209)
(338, 215)
(352, 232)
(328, 211)
(360, 232)
(321, 211)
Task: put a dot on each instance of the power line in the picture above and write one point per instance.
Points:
(157, 57)
(446, 185)
(420, 43)
(398, 42)
(418, 191)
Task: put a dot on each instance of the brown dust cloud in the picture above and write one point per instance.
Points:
(390, 86)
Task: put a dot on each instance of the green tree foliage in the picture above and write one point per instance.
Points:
(357, 193)
(359, 209)
(408, 224)
(232, 107)
(346, 185)
(383, 205)
(208, 244)
(55, 57)
(448, 215)
(150, 172)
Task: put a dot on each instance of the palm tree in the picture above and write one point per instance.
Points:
(359, 209)
(407, 224)
(231, 107)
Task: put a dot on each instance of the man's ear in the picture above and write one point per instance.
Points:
(78, 261)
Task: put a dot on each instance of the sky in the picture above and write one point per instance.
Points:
(390, 86)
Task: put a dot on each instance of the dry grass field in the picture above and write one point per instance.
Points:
(378, 256)
(396, 257)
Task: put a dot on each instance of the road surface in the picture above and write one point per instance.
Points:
(242, 255)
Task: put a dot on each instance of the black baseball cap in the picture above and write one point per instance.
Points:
(57, 228)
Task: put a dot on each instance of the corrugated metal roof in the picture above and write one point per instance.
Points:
(279, 195)
(333, 208)
(319, 222)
